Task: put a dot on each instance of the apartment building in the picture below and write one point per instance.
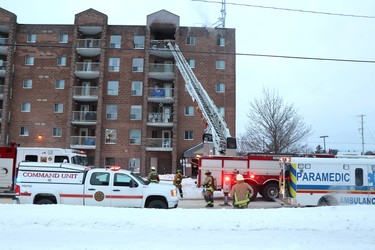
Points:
(113, 91)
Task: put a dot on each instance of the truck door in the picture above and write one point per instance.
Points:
(126, 192)
(361, 183)
(371, 183)
(97, 189)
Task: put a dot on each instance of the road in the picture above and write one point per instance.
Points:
(200, 203)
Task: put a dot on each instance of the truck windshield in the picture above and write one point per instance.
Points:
(140, 179)
(80, 160)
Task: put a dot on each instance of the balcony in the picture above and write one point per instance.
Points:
(159, 144)
(1, 92)
(84, 117)
(161, 71)
(159, 120)
(160, 95)
(87, 70)
(2, 68)
(3, 46)
(85, 94)
(88, 47)
(82, 142)
(159, 48)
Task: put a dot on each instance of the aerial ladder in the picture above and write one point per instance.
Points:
(216, 130)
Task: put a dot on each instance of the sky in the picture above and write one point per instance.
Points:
(330, 95)
(92, 228)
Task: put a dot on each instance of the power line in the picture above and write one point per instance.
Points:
(288, 9)
(214, 53)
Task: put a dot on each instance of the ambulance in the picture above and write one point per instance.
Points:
(10, 157)
(327, 181)
(71, 184)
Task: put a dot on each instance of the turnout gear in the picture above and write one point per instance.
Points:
(241, 193)
(153, 176)
(208, 184)
(177, 181)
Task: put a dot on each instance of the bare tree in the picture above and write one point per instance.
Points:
(275, 126)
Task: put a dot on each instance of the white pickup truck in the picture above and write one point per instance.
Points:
(65, 183)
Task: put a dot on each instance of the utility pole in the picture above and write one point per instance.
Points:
(362, 134)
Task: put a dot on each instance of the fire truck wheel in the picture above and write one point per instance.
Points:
(157, 204)
(270, 191)
(254, 192)
(44, 202)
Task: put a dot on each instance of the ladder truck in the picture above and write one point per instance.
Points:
(216, 130)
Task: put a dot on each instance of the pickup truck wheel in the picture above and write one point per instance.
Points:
(271, 191)
(157, 204)
(44, 202)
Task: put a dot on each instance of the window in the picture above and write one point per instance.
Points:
(110, 136)
(135, 112)
(220, 64)
(29, 60)
(134, 165)
(63, 38)
(24, 131)
(359, 177)
(112, 88)
(136, 88)
(99, 179)
(31, 38)
(220, 41)
(190, 40)
(191, 63)
(189, 135)
(56, 132)
(111, 112)
(26, 106)
(220, 87)
(59, 108)
(122, 180)
(221, 111)
(137, 64)
(135, 137)
(27, 84)
(115, 41)
(114, 65)
(139, 42)
(61, 61)
(189, 110)
(59, 84)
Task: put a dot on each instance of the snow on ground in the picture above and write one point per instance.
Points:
(78, 227)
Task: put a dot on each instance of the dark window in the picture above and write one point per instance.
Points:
(32, 158)
(359, 177)
(61, 158)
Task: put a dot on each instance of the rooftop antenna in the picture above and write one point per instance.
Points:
(221, 22)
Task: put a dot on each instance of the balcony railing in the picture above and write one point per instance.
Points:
(88, 47)
(87, 70)
(82, 142)
(3, 47)
(85, 94)
(164, 95)
(159, 119)
(161, 71)
(159, 144)
(159, 48)
(1, 92)
(84, 117)
(2, 68)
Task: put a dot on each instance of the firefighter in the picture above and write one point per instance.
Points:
(241, 193)
(208, 184)
(177, 181)
(153, 176)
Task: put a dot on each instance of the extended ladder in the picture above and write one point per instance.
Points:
(207, 109)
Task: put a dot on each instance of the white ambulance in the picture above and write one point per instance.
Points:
(327, 181)
(65, 183)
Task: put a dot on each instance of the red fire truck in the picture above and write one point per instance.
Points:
(260, 171)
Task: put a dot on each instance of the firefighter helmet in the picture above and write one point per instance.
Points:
(208, 172)
(239, 177)
(153, 168)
